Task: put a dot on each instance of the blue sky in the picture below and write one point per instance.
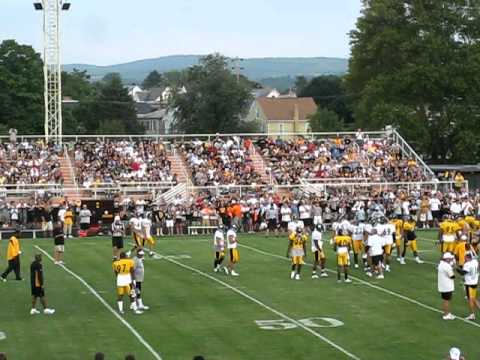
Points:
(106, 32)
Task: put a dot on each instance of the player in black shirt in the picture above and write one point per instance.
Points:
(59, 242)
(36, 282)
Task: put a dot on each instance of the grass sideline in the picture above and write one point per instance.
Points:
(195, 311)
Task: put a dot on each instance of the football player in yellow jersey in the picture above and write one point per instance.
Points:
(462, 224)
(410, 239)
(461, 249)
(447, 234)
(398, 223)
(470, 220)
(297, 250)
(123, 269)
(342, 245)
(476, 235)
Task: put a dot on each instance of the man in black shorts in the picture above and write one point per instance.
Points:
(36, 281)
(59, 243)
(118, 231)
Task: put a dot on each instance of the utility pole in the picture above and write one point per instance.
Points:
(237, 68)
(52, 67)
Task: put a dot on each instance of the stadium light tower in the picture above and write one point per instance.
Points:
(52, 67)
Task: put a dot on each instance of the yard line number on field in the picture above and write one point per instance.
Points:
(265, 306)
(406, 298)
(102, 300)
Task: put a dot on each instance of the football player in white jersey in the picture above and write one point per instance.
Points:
(470, 275)
(146, 224)
(389, 240)
(358, 238)
(234, 255)
(135, 224)
(317, 250)
(219, 247)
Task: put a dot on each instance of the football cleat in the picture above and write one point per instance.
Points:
(314, 276)
(356, 266)
(369, 274)
(144, 307)
(297, 277)
(402, 261)
(470, 317)
(323, 274)
(34, 312)
(348, 280)
(233, 273)
(449, 316)
(380, 276)
(292, 275)
(225, 269)
(49, 311)
(137, 312)
(418, 260)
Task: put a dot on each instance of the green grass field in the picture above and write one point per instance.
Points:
(195, 311)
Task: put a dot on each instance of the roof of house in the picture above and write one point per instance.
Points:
(284, 108)
(156, 114)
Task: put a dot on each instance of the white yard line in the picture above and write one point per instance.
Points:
(265, 306)
(102, 300)
(400, 296)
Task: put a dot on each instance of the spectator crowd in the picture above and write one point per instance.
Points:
(121, 161)
(26, 163)
(341, 157)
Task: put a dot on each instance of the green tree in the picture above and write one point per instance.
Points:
(329, 92)
(112, 109)
(301, 83)
(77, 85)
(21, 88)
(213, 102)
(153, 79)
(325, 120)
(415, 64)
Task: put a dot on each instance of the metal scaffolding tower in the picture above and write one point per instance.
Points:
(52, 71)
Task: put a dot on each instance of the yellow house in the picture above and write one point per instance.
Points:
(282, 115)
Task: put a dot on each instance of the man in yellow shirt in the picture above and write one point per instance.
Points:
(342, 245)
(68, 223)
(124, 273)
(297, 251)
(13, 257)
(447, 234)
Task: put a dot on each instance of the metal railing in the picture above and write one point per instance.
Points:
(408, 150)
(240, 190)
(183, 137)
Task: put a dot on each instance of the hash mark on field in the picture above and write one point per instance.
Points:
(265, 306)
(3, 336)
(102, 300)
(403, 297)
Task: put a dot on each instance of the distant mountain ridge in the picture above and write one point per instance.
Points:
(254, 68)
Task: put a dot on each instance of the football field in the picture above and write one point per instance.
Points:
(262, 314)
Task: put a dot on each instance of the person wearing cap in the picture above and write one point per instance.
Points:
(13, 257)
(470, 275)
(446, 284)
(118, 231)
(455, 354)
